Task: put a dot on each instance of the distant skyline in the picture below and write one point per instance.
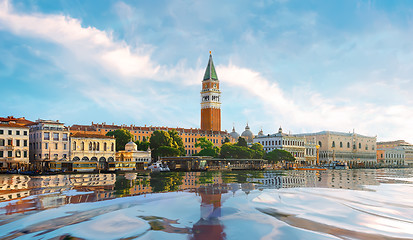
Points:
(307, 66)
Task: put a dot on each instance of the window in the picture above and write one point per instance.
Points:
(1, 131)
(25, 133)
(64, 137)
(9, 142)
(372, 147)
(18, 153)
(18, 143)
(2, 142)
(25, 154)
(348, 145)
(341, 144)
(104, 146)
(56, 136)
(90, 147)
(112, 147)
(64, 146)
(17, 132)
(9, 154)
(334, 144)
(83, 146)
(25, 143)
(56, 146)
(74, 146)
(46, 136)
(1, 154)
(46, 145)
(10, 132)
(97, 147)
(359, 145)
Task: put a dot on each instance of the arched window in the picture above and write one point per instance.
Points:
(104, 146)
(360, 145)
(83, 146)
(97, 147)
(90, 146)
(112, 148)
(341, 144)
(348, 145)
(74, 146)
(94, 146)
(319, 143)
(334, 144)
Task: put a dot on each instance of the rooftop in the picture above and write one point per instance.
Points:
(333, 133)
(89, 135)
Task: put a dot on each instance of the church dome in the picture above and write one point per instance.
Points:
(260, 133)
(131, 146)
(247, 134)
(234, 134)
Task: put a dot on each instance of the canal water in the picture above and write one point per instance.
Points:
(334, 204)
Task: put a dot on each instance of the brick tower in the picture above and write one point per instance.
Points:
(210, 99)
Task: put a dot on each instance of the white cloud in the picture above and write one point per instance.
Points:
(124, 67)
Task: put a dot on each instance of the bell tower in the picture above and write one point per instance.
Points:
(210, 99)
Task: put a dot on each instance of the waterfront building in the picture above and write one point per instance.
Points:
(131, 158)
(90, 152)
(291, 143)
(14, 146)
(395, 153)
(21, 120)
(49, 141)
(354, 149)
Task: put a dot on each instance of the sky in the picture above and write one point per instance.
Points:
(307, 66)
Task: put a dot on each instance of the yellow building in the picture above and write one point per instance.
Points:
(131, 158)
(14, 146)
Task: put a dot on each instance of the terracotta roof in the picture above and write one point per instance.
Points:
(89, 135)
(12, 125)
(20, 120)
(82, 128)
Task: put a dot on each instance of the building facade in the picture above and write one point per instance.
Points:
(288, 142)
(395, 153)
(49, 141)
(14, 146)
(210, 99)
(354, 149)
(91, 151)
(131, 158)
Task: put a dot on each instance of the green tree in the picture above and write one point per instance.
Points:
(207, 148)
(279, 155)
(171, 143)
(177, 142)
(122, 137)
(258, 151)
(242, 142)
(226, 140)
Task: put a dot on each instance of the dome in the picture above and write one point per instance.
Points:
(261, 133)
(247, 134)
(234, 134)
(131, 146)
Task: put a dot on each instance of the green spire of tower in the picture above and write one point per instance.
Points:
(210, 72)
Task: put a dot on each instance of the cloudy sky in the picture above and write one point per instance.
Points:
(304, 65)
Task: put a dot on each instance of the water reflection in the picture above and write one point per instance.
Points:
(208, 199)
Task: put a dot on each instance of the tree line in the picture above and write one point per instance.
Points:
(170, 144)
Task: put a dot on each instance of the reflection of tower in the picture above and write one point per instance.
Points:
(210, 99)
(209, 226)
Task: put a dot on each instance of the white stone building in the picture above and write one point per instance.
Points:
(14, 146)
(131, 158)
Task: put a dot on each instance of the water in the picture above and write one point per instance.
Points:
(336, 204)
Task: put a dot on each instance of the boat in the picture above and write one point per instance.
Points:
(158, 167)
(312, 168)
(337, 165)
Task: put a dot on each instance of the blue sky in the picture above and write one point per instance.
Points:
(305, 65)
